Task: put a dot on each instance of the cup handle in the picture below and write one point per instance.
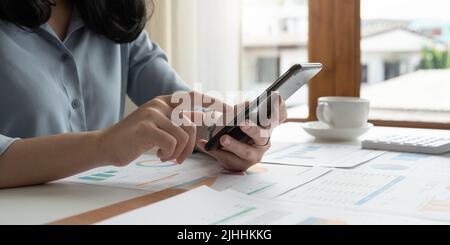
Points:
(321, 115)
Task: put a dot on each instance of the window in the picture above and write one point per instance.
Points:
(405, 57)
(394, 53)
(274, 37)
(268, 69)
(364, 73)
(239, 45)
(391, 69)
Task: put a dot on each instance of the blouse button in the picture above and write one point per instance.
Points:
(65, 57)
(76, 104)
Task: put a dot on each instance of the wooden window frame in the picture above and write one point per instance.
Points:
(335, 41)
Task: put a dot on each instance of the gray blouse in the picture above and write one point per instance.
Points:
(49, 86)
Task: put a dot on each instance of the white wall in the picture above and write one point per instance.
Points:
(202, 38)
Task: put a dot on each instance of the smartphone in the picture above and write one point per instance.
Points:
(286, 86)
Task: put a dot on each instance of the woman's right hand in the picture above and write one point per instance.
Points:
(148, 127)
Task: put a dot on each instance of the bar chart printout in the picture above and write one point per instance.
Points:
(149, 173)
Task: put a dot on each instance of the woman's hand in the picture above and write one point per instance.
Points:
(238, 156)
(148, 127)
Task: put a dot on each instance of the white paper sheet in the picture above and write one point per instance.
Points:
(409, 164)
(388, 193)
(322, 155)
(204, 206)
(268, 181)
(148, 173)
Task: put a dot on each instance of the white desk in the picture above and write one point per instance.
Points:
(44, 204)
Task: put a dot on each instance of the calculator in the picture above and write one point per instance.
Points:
(410, 144)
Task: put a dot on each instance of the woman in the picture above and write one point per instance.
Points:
(66, 68)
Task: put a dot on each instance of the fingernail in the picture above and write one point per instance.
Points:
(226, 141)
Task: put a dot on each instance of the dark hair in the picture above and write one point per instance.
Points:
(119, 20)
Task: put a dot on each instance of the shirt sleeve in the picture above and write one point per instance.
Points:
(150, 74)
(5, 143)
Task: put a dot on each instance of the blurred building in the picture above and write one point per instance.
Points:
(391, 48)
(275, 36)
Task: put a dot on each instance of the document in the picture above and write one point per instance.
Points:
(322, 155)
(409, 164)
(268, 181)
(149, 173)
(376, 192)
(205, 206)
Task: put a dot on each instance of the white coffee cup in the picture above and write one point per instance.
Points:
(343, 112)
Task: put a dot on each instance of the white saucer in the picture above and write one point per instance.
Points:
(324, 132)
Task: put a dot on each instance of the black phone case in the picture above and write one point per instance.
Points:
(235, 131)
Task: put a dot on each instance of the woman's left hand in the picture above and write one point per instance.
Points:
(238, 156)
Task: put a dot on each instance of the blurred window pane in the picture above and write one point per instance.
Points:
(405, 61)
(274, 37)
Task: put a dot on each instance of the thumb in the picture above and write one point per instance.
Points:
(201, 144)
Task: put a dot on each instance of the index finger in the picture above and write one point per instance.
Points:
(189, 100)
